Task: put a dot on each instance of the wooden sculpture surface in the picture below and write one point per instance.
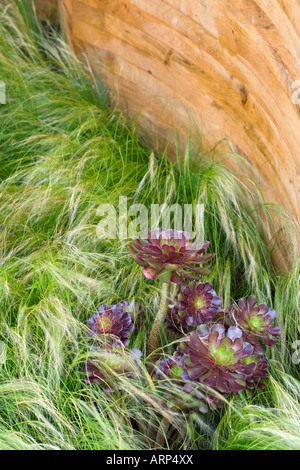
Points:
(232, 66)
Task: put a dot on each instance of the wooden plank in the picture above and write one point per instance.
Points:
(115, 35)
(230, 64)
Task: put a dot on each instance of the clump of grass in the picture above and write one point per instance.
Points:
(63, 152)
(270, 424)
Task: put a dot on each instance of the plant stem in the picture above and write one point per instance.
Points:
(153, 341)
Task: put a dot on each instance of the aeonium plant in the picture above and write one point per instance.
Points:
(110, 328)
(221, 349)
(195, 304)
(113, 320)
(167, 255)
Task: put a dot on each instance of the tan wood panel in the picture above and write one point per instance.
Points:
(231, 64)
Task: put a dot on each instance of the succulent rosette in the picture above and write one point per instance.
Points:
(168, 256)
(195, 304)
(112, 320)
(169, 370)
(108, 362)
(260, 372)
(216, 357)
(256, 320)
(169, 373)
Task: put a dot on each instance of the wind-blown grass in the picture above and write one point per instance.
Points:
(63, 152)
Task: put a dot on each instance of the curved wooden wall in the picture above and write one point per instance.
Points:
(231, 65)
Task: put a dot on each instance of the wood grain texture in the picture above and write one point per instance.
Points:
(228, 65)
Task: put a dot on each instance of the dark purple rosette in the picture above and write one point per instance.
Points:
(216, 357)
(168, 256)
(170, 373)
(112, 320)
(195, 304)
(108, 362)
(260, 373)
(256, 320)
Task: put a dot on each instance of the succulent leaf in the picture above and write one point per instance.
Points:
(168, 256)
(195, 304)
(256, 320)
(112, 320)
